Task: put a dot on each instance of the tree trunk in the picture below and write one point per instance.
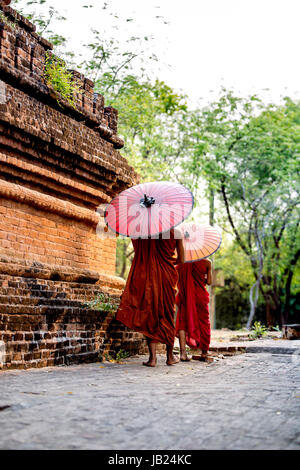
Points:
(211, 206)
(210, 288)
(273, 307)
(271, 313)
(124, 258)
(288, 286)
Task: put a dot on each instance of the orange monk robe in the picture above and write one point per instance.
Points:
(148, 301)
(192, 301)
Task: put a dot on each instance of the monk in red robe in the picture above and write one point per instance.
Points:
(192, 322)
(148, 301)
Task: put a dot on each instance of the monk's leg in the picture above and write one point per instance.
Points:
(182, 343)
(171, 359)
(152, 354)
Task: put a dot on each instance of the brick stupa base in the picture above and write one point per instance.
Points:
(58, 165)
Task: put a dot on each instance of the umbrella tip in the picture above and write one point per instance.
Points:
(147, 201)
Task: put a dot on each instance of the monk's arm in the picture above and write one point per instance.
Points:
(180, 252)
(209, 276)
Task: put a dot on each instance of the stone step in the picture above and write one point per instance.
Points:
(79, 294)
(42, 301)
(51, 285)
(42, 308)
(45, 284)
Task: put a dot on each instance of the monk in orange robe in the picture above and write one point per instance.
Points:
(192, 322)
(148, 301)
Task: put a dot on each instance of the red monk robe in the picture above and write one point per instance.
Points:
(192, 301)
(148, 301)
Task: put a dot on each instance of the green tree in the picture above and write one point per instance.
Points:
(247, 152)
(42, 14)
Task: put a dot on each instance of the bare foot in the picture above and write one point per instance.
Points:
(206, 358)
(173, 360)
(150, 363)
(184, 357)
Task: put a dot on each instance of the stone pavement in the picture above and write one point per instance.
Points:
(272, 343)
(248, 401)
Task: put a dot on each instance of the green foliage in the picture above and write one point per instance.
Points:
(117, 357)
(257, 331)
(61, 80)
(124, 256)
(151, 116)
(232, 305)
(108, 357)
(276, 328)
(247, 152)
(42, 19)
(102, 302)
(121, 354)
(5, 20)
(234, 263)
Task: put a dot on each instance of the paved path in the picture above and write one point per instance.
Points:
(249, 401)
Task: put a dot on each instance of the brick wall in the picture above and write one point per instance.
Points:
(49, 238)
(46, 323)
(58, 165)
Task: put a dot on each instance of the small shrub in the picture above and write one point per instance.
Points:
(121, 354)
(258, 330)
(276, 328)
(61, 80)
(118, 357)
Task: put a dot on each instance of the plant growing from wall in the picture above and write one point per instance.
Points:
(5, 20)
(121, 354)
(102, 302)
(61, 80)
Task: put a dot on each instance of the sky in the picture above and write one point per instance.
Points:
(251, 46)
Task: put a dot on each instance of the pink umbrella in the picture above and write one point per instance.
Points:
(148, 209)
(199, 241)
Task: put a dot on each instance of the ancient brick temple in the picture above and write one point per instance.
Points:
(57, 165)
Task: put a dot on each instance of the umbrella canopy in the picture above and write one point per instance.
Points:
(199, 241)
(148, 209)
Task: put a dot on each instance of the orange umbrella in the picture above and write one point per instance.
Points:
(199, 241)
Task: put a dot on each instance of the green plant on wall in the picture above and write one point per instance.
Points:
(61, 80)
(102, 302)
(5, 20)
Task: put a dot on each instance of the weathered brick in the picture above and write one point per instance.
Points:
(59, 165)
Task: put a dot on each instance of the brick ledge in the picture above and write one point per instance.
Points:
(12, 191)
(32, 269)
